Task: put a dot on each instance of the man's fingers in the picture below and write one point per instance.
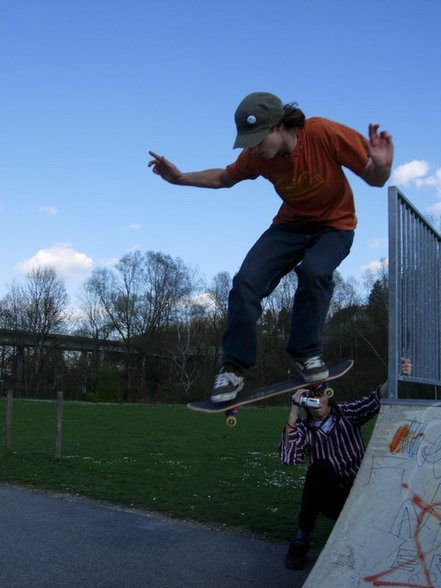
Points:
(386, 136)
(155, 155)
(373, 132)
(158, 159)
(373, 128)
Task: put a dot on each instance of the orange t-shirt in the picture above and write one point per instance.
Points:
(310, 180)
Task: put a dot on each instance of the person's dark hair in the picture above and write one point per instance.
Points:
(293, 116)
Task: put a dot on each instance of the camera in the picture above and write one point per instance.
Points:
(309, 402)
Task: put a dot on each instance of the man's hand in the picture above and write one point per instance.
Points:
(295, 404)
(406, 370)
(295, 398)
(294, 412)
(406, 366)
(208, 178)
(380, 149)
(164, 168)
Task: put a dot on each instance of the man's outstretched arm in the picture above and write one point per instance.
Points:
(209, 178)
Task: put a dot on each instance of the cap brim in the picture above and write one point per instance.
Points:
(247, 140)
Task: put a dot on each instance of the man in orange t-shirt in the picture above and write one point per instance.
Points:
(312, 232)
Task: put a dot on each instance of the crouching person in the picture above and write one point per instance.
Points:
(330, 437)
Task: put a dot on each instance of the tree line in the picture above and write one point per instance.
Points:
(170, 324)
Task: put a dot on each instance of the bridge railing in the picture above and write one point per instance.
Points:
(414, 294)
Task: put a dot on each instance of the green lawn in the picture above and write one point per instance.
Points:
(163, 458)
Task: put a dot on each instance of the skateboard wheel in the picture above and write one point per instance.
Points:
(329, 392)
(231, 421)
(230, 417)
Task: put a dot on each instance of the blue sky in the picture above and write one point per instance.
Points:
(88, 87)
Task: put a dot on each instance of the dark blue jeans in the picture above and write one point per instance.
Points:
(314, 252)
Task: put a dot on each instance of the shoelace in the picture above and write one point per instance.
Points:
(312, 362)
(226, 378)
(221, 380)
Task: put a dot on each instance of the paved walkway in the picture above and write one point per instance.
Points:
(54, 541)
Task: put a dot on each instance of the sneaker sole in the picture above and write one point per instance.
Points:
(223, 397)
(320, 376)
(226, 396)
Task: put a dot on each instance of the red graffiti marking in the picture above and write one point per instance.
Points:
(398, 439)
(425, 509)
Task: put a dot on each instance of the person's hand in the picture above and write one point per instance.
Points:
(295, 408)
(380, 147)
(406, 370)
(164, 168)
(295, 404)
(297, 395)
(406, 366)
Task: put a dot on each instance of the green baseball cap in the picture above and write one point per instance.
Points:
(255, 116)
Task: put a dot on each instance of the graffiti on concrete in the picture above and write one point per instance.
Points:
(421, 565)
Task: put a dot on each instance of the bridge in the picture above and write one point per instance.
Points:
(13, 338)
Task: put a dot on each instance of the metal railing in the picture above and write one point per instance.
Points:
(414, 294)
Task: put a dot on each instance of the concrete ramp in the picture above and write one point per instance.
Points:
(389, 532)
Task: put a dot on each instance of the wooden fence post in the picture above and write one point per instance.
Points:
(8, 421)
(59, 424)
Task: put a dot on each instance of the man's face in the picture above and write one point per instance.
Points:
(270, 146)
(318, 414)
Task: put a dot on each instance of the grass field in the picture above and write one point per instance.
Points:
(163, 458)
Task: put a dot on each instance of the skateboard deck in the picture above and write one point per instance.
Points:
(229, 407)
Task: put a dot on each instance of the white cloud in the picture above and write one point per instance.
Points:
(410, 172)
(377, 243)
(67, 262)
(111, 261)
(135, 227)
(415, 172)
(48, 210)
(375, 266)
(434, 181)
(435, 209)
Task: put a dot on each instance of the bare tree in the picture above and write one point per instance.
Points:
(141, 295)
(189, 350)
(217, 295)
(39, 307)
(217, 307)
(94, 321)
(346, 294)
(277, 308)
(376, 274)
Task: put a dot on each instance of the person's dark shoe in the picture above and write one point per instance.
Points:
(227, 384)
(312, 369)
(295, 559)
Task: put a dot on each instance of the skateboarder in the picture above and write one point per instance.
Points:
(312, 232)
(330, 436)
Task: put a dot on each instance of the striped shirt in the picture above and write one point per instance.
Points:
(342, 445)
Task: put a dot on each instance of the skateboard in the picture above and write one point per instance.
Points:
(230, 407)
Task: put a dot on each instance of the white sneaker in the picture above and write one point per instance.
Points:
(226, 386)
(313, 369)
